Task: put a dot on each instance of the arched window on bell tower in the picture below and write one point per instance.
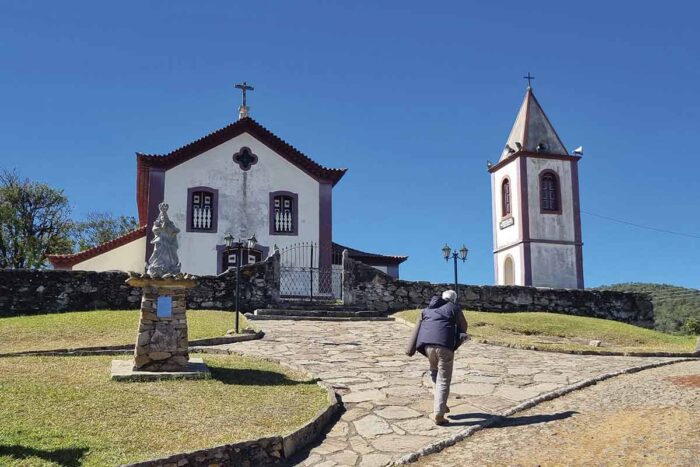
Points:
(505, 198)
(550, 199)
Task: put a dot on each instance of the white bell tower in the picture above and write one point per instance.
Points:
(536, 208)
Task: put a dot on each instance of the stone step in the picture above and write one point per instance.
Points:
(253, 317)
(316, 305)
(286, 313)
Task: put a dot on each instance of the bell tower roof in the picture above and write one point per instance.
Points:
(532, 131)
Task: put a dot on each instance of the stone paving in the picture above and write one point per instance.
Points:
(387, 395)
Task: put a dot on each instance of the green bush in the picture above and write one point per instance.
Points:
(691, 326)
(673, 306)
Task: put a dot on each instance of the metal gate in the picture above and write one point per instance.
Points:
(302, 276)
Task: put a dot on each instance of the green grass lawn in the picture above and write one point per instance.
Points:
(563, 332)
(98, 328)
(65, 411)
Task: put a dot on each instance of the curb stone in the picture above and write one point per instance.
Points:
(602, 353)
(438, 446)
(119, 349)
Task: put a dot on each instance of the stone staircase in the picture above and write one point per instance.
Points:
(319, 310)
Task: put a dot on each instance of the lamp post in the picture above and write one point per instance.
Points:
(233, 244)
(447, 252)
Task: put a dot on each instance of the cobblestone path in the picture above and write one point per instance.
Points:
(387, 395)
(648, 418)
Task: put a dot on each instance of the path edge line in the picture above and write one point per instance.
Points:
(438, 446)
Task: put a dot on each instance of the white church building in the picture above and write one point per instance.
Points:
(242, 180)
(535, 204)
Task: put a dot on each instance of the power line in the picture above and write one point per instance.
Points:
(673, 232)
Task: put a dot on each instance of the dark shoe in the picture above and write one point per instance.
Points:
(438, 419)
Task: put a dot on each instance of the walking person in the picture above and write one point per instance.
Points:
(440, 331)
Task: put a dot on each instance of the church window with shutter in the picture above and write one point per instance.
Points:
(549, 192)
(202, 212)
(505, 198)
(284, 216)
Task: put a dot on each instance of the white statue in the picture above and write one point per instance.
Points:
(164, 258)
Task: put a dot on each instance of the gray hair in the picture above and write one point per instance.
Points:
(450, 296)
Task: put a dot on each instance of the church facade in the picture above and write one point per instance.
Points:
(241, 180)
(536, 206)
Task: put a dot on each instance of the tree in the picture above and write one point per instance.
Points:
(101, 227)
(34, 222)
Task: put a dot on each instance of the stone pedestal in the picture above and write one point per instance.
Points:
(162, 336)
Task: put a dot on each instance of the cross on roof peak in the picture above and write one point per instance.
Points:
(243, 109)
(529, 78)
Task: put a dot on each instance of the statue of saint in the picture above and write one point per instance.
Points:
(164, 258)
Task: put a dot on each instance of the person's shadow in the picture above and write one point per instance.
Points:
(478, 418)
(64, 457)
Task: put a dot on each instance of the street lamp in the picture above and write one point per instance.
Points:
(238, 245)
(462, 254)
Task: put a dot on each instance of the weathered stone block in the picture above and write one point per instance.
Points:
(141, 360)
(144, 338)
(159, 355)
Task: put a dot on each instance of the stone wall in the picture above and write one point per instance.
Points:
(260, 285)
(27, 292)
(263, 451)
(34, 292)
(375, 291)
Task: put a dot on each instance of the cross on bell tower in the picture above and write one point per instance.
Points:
(243, 110)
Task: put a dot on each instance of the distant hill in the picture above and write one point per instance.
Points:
(672, 305)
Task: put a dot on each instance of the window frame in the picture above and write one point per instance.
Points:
(295, 212)
(557, 192)
(214, 209)
(509, 212)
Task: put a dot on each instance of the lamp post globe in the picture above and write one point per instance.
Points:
(228, 240)
(446, 250)
(252, 241)
(463, 253)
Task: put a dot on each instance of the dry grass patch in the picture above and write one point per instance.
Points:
(66, 410)
(97, 328)
(567, 333)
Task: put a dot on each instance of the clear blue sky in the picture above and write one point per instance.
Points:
(411, 96)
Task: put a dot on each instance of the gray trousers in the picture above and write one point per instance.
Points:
(441, 359)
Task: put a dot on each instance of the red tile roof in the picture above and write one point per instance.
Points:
(244, 125)
(58, 261)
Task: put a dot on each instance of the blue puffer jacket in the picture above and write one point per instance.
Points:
(439, 325)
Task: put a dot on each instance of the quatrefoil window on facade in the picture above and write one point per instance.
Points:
(245, 158)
